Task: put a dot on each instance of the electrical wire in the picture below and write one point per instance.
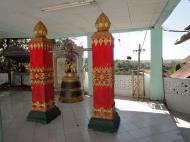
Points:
(129, 12)
(144, 39)
(152, 17)
(170, 30)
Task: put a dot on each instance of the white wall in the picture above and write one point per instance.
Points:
(16, 78)
(3, 78)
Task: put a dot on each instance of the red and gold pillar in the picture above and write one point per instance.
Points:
(104, 117)
(41, 75)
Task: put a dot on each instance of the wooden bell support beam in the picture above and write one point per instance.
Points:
(41, 74)
(104, 116)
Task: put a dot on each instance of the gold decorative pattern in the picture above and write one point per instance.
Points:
(41, 82)
(40, 30)
(103, 113)
(100, 38)
(41, 45)
(103, 23)
(41, 76)
(43, 106)
(41, 69)
(103, 76)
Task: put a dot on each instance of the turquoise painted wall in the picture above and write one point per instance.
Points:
(156, 80)
(90, 86)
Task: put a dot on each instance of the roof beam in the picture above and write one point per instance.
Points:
(65, 35)
(167, 10)
(129, 30)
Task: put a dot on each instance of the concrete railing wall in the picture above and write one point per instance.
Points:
(123, 85)
(177, 93)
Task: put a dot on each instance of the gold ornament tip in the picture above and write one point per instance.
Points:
(103, 23)
(40, 30)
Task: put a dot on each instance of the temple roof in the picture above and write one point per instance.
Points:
(16, 53)
(183, 38)
(187, 28)
(184, 71)
(186, 60)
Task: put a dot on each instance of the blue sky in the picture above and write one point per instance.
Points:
(178, 20)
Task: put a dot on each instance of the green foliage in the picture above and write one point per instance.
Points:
(124, 67)
(85, 66)
(169, 66)
(7, 64)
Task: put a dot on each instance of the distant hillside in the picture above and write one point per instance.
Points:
(173, 60)
(124, 67)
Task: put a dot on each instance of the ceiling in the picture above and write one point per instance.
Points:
(18, 17)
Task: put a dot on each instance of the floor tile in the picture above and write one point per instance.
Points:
(140, 122)
(146, 139)
(137, 133)
(124, 137)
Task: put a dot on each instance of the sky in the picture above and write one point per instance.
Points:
(178, 20)
(125, 43)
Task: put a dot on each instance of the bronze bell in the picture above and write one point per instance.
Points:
(70, 87)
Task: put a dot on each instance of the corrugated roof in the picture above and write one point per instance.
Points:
(184, 71)
(187, 28)
(183, 38)
(186, 60)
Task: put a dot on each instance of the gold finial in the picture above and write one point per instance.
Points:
(102, 23)
(40, 30)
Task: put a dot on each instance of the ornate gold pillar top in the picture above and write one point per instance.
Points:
(103, 23)
(40, 30)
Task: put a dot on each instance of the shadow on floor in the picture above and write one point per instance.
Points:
(6, 87)
(183, 122)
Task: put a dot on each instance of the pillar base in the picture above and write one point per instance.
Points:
(105, 125)
(43, 117)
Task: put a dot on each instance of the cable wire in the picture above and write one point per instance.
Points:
(177, 31)
(144, 39)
